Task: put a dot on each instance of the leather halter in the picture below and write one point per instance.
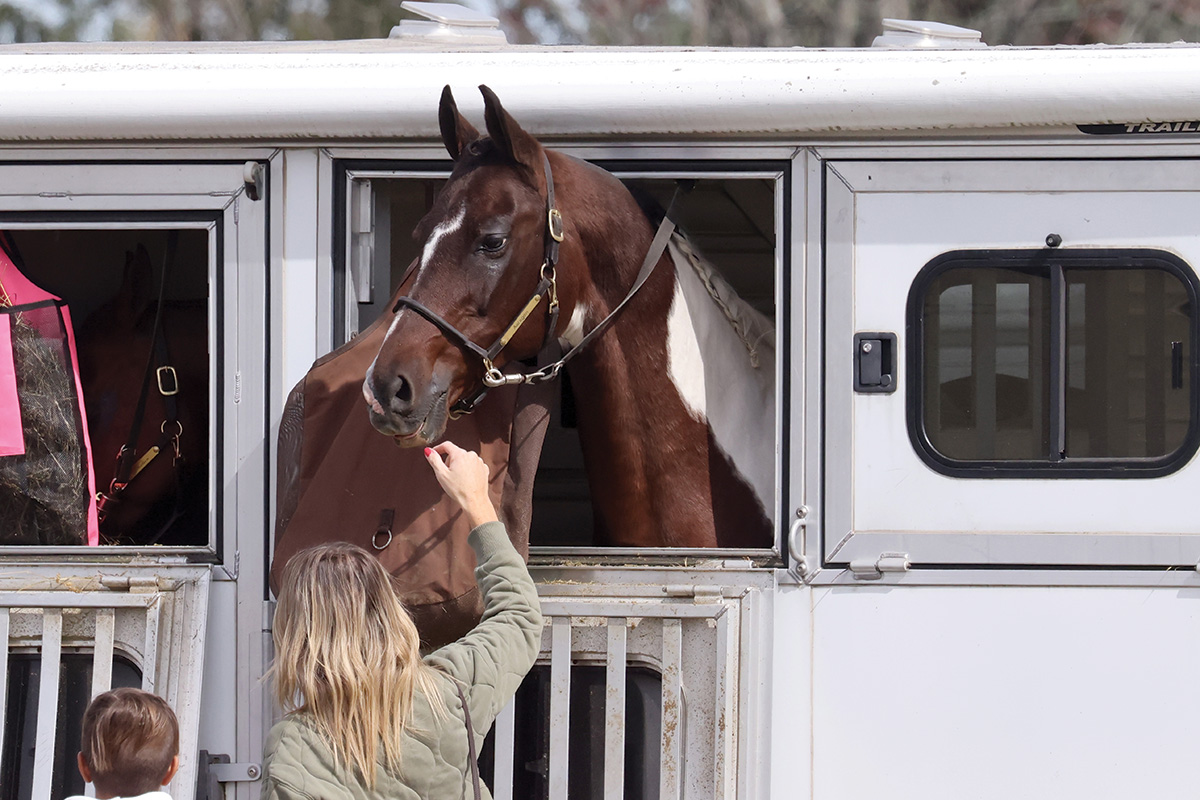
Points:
(547, 286)
(493, 377)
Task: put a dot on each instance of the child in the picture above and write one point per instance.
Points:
(130, 745)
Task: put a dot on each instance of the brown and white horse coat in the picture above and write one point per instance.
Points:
(675, 400)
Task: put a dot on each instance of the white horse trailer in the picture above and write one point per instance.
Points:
(982, 267)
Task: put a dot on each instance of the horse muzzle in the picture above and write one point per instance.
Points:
(408, 426)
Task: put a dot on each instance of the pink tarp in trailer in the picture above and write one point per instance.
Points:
(47, 487)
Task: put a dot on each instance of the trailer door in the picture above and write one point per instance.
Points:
(141, 609)
(1010, 363)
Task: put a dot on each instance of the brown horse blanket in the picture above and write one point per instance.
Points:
(341, 480)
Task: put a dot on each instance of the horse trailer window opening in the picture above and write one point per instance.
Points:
(1054, 363)
(733, 214)
(111, 280)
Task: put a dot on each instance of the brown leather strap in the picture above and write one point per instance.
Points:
(470, 741)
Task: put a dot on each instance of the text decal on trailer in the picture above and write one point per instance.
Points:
(1190, 126)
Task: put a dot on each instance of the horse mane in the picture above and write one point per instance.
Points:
(752, 327)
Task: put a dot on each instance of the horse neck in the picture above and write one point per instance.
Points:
(673, 417)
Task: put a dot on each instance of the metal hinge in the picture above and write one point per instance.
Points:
(215, 769)
(702, 594)
(865, 569)
(253, 178)
(134, 585)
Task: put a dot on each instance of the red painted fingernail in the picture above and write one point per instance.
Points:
(428, 450)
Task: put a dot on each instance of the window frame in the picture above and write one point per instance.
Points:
(1053, 261)
(89, 193)
(783, 165)
(1013, 532)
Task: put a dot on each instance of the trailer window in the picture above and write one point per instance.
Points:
(137, 303)
(733, 218)
(1062, 363)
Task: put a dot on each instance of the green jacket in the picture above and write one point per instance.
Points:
(490, 661)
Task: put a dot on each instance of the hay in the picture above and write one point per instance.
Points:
(44, 493)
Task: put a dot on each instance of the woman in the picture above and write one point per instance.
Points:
(366, 716)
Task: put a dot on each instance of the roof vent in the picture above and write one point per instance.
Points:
(448, 23)
(918, 34)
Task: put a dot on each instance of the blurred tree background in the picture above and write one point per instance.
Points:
(741, 23)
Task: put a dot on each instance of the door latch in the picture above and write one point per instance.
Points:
(875, 363)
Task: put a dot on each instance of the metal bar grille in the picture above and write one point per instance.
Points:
(47, 712)
(85, 614)
(614, 710)
(102, 656)
(505, 729)
(560, 706)
(680, 639)
(672, 701)
(150, 653)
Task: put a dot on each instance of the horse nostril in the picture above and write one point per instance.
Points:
(404, 392)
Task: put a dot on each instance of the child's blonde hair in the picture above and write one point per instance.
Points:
(130, 738)
(347, 655)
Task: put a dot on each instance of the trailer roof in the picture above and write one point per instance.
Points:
(382, 90)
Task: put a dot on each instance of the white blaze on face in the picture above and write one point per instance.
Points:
(442, 230)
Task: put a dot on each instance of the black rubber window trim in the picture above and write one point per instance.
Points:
(1039, 261)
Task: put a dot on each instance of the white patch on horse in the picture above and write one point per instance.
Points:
(711, 367)
(441, 231)
(684, 357)
(573, 334)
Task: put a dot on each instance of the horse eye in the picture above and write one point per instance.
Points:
(493, 242)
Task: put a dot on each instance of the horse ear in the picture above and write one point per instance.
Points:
(457, 133)
(510, 137)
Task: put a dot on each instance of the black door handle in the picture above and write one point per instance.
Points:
(875, 363)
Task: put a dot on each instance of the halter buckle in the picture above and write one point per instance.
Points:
(554, 222)
(168, 381)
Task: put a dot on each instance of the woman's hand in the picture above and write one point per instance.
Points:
(464, 476)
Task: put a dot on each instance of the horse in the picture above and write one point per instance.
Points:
(675, 393)
(165, 499)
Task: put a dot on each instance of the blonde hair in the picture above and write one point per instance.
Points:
(347, 655)
(129, 740)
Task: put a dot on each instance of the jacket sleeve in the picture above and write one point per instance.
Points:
(495, 656)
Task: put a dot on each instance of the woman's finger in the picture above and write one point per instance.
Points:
(447, 448)
(435, 461)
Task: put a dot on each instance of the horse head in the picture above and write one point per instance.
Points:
(484, 289)
(166, 500)
(671, 403)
